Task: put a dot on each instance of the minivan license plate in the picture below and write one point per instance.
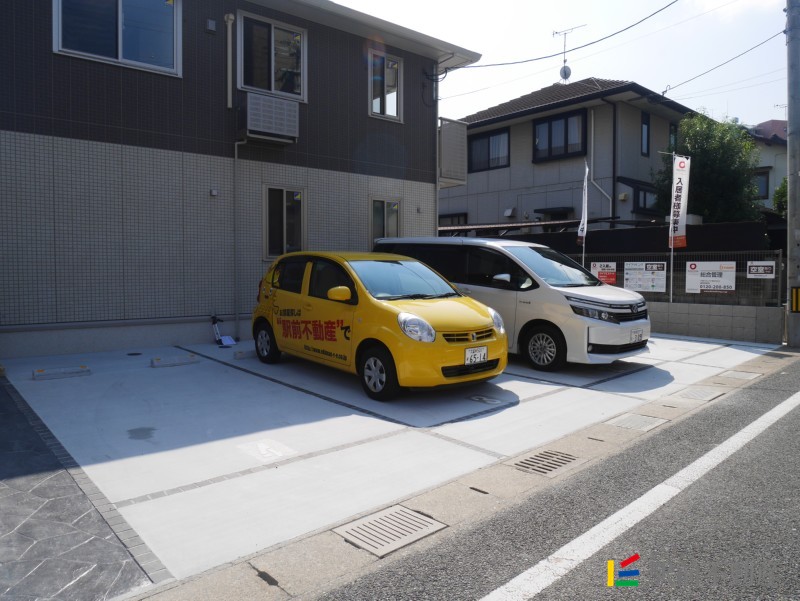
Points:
(478, 354)
(636, 335)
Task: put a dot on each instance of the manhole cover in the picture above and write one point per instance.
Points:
(633, 421)
(547, 462)
(389, 530)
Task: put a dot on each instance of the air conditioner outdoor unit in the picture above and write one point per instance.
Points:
(272, 118)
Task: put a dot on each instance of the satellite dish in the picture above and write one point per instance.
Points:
(565, 72)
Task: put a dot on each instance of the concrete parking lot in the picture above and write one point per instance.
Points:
(198, 456)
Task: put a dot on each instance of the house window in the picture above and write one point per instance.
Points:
(385, 218)
(645, 134)
(138, 33)
(283, 221)
(761, 182)
(453, 219)
(643, 195)
(385, 76)
(488, 151)
(673, 136)
(559, 137)
(272, 57)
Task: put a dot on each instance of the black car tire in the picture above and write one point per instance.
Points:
(377, 372)
(545, 348)
(266, 346)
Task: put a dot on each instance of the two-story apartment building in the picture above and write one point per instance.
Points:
(156, 155)
(528, 156)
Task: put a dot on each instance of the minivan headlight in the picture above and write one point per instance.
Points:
(416, 328)
(497, 320)
(594, 314)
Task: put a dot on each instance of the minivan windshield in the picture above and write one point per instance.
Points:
(553, 267)
(394, 280)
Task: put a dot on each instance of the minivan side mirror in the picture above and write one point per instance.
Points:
(339, 293)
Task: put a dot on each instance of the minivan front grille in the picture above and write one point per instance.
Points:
(631, 316)
(615, 349)
(457, 337)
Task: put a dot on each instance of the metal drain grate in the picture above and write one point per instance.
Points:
(546, 462)
(389, 530)
(633, 421)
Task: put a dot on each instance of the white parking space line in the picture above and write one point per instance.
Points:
(538, 421)
(201, 528)
(548, 571)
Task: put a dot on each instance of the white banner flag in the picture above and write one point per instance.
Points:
(680, 198)
(582, 226)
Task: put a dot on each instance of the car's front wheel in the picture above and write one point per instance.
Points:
(377, 372)
(545, 348)
(266, 346)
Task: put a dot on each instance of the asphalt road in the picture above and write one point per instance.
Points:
(734, 534)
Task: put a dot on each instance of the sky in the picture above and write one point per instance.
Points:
(681, 42)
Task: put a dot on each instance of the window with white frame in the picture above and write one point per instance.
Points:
(271, 57)
(283, 221)
(385, 76)
(136, 33)
(385, 218)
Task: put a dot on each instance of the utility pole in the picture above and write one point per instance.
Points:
(793, 169)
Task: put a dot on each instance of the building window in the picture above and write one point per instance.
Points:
(385, 219)
(645, 134)
(283, 221)
(138, 33)
(673, 136)
(489, 151)
(272, 57)
(453, 219)
(761, 182)
(385, 76)
(559, 137)
(643, 195)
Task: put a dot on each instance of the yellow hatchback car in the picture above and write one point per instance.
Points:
(390, 319)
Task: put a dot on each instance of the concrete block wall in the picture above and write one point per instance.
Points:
(726, 322)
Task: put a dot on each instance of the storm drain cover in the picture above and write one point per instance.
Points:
(700, 393)
(633, 421)
(547, 463)
(389, 530)
(740, 375)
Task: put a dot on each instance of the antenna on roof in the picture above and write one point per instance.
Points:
(565, 71)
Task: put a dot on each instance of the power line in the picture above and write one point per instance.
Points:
(664, 93)
(530, 60)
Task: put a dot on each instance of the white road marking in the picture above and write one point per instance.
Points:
(531, 582)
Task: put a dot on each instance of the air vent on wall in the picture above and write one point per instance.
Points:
(272, 118)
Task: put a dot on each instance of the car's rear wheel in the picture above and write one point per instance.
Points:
(266, 346)
(378, 374)
(545, 348)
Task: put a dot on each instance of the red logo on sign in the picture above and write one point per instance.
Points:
(692, 266)
(682, 164)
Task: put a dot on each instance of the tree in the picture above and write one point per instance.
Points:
(779, 198)
(724, 156)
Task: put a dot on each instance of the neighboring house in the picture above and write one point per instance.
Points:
(770, 138)
(527, 156)
(156, 156)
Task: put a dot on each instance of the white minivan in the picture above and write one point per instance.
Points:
(554, 310)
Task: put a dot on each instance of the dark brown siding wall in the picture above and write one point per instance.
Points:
(50, 94)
